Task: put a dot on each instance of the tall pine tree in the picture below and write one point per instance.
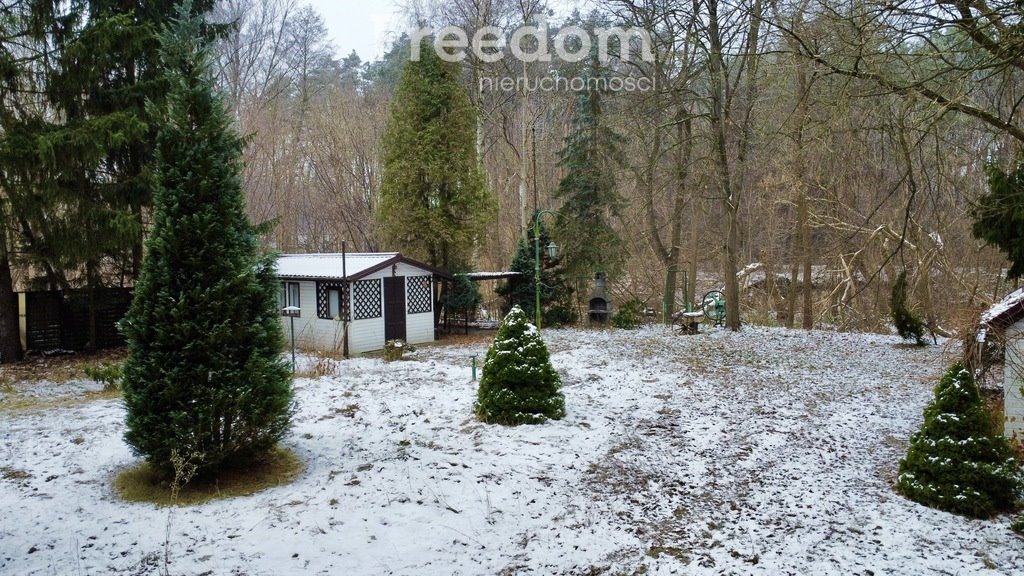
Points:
(204, 377)
(434, 204)
(76, 157)
(17, 53)
(999, 216)
(588, 190)
(101, 69)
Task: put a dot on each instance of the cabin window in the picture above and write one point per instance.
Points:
(334, 303)
(330, 301)
(289, 295)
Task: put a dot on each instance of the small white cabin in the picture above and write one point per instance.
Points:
(375, 297)
(1005, 321)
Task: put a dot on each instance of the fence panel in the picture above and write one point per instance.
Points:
(56, 320)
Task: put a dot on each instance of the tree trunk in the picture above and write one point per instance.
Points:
(794, 275)
(684, 146)
(669, 297)
(10, 333)
(732, 286)
(805, 245)
(925, 291)
(719, 119)
(137, 246)
(92, 281)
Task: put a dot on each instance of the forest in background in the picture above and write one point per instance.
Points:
(842, 141)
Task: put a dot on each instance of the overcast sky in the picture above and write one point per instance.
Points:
(360, 25)
(367, 26)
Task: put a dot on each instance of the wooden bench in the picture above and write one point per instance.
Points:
(688, 322)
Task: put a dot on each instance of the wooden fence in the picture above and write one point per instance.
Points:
(61, 320)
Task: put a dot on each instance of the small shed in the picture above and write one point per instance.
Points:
(362, 299)
(1005, 322)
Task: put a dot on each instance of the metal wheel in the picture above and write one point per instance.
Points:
(713, 305)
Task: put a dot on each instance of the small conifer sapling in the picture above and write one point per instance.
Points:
(956, 462)
(518, 384)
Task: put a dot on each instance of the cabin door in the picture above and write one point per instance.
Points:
(394, 308)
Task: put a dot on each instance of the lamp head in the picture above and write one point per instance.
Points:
(552, 249)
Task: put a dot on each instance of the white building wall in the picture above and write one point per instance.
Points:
(419, 328)
(310, 331)
(1013, 379)
(364, 335)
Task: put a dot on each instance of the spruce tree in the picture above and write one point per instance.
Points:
(77, 148)
(999, 216)
(434, 204)
(518, 384)
(555, 293)
(588, 191)
(94, 146)
(462, 297)
(204, 378)
(16, 51)
(956, 462)
(908, 325)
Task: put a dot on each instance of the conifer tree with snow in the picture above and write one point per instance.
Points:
(956, 462)
(204, 379)
(518, 384)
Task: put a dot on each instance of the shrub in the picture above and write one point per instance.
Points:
(956, 462)
(556, 294)
(908, 325)
(463, 296)
(629, 315)
(518, 384)
(1018, 524)
(107, 374)
(393, 350)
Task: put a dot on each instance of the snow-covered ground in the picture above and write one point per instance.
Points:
(767, 451)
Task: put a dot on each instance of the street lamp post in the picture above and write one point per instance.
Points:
(292, 312)
(552, 250)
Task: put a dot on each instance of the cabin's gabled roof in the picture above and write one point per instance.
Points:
(350, 266)
(1005, 312)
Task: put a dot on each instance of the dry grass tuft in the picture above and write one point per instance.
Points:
(137, 483)
(325, 365)
(59, 369)
(13, 474)
(17, 403)
(471, 339)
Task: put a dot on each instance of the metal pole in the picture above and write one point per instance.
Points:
(536, 269)
(347, 294)
(293, 343)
